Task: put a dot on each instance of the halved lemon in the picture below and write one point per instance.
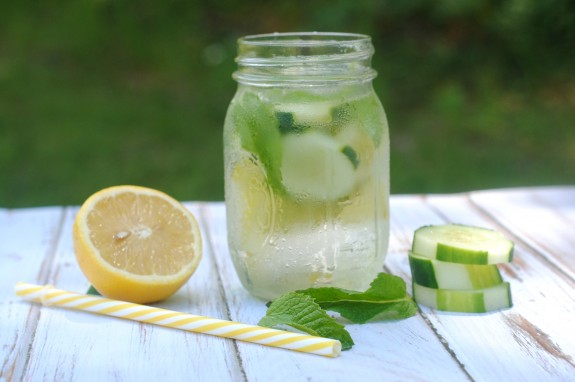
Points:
(136, 244)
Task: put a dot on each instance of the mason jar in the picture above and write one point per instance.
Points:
(306, 152)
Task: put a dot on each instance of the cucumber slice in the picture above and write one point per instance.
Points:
(441, 275)
(317, 167)
(307, 114)
(462, 244)
(299, 117)
(465, 301)
(359, 146)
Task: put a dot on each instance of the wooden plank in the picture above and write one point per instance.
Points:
(70, 345)
(560, 199)
(28, 238)
(532, 341)
(402, 350)
(529, 212)
(525, 343)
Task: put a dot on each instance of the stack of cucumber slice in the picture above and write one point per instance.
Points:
(454, 268)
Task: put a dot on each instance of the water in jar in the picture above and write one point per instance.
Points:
(307, 185)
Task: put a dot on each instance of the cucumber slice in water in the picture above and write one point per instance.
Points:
(299, 117)
(308, 114)
(441, 275)
(316, 166)
(462, 244)
(465, 301)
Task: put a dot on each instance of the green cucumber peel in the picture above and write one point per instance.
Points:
(451, 254)
(351, 154)
(447, 275)
(423, 272)
(287, 124)
(460, 301)
(340, 117)
(465, 301)
(480, 279)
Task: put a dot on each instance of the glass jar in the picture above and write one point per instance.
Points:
(306, 152)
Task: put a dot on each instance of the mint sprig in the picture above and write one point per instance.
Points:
(386, 299)
(305, 310)
(298, 312)
(93, 291)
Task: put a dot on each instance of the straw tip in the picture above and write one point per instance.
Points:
(19, 285)
(336, 349)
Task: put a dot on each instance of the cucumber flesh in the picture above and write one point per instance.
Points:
(465, 301)
(308, 114)
(299, 117)
(462, 244)
(442, 275)
(315, 166)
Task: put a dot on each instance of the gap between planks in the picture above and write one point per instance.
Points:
(204, 216)
(423, 199)
(539, 337)
(518, 239)
(20, 365)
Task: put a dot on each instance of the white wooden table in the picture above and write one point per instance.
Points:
(533, 341)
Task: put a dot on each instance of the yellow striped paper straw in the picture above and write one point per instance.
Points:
(48, 296)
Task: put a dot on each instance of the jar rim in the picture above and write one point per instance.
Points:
(292, 47)
(296, 57)
(303, 38)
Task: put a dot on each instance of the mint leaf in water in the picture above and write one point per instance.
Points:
(298, 312)
(259, 133)
(386, 299)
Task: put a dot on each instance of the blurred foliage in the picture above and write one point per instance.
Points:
(479, 93)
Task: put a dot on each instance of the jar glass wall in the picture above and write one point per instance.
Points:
(306, 152)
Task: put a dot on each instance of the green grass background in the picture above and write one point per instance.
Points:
(479, 93)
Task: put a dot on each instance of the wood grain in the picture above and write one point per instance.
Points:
(520, 330)
(543, 219)
(28, 238)
(533, 341)
(382, 349)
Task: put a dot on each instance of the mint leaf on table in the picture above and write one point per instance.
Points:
(386, 299)
(299, 311)
(93, 291)
(305, 310)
